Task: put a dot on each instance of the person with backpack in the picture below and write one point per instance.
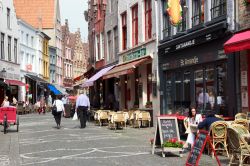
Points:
(57, 110)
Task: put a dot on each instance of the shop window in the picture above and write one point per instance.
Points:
(221, 98)
(135, 25)
(183, 25)
(186, 89)
(218, 8)
(200, 96)
(2, 46)
(198, 12)
(169, 100)
(167, 28)
(148, 19)
(124, 31)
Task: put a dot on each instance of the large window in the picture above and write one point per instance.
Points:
(135, 25)
(2, 46)
(148, 19)
(124, 31)
(15, 50)
(166, 22)
(110, 50)
(98, 48)
(116, 46)
(198, 12)
(8, 18)
(9, 48)
(218, 8)
(183, 25)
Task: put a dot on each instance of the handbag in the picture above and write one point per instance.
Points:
(54, 109)
(75, 116)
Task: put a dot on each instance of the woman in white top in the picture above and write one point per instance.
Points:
(193, 118)
(59, 108)
(5, 103)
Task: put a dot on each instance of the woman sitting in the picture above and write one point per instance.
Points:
(192, 119)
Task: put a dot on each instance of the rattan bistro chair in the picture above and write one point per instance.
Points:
(219, 136)
(240, 116)
(242, 122)
(144, 117)
(239, 147)
(119, 119)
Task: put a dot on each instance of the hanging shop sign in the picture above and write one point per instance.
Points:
(29, 67)
(174, 11)
(134, 55)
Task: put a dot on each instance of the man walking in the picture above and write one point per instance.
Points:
(82, 105)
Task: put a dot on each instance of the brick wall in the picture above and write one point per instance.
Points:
(244, 15)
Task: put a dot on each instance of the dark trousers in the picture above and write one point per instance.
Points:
(82, 111)
(58, 118)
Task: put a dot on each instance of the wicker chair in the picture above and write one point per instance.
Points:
(241, 116)
(242, 122)
(239, 147)
(144, 117)
(119, 118)
(219, 136)
(101, 116)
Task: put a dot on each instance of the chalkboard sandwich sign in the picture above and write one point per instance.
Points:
(167, 133)
(201, 140)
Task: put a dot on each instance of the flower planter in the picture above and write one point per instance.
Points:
(171, 150)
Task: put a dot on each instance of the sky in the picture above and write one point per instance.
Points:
(73, 10)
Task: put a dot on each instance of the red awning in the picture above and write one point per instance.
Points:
(14, 82)
(239, 42)
(125, 68)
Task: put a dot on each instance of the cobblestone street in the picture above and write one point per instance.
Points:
(40, 143)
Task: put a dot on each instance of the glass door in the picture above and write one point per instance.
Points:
(169, 93)
(186, 89)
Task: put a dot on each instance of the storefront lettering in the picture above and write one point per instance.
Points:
(191, 61)
(185, 44)
(134, 55)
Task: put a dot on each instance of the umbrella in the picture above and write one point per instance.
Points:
(72, 97)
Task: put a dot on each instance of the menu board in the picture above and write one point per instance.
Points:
(197, 148)
(166, 128)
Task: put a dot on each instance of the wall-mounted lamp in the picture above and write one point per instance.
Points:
(3, 70)
(126, 82)
(137, 79)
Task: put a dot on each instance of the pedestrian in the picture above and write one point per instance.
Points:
(14, 101)
(82, 106)
(192, 119)
(59, 109)
(5, 103)
(210, 118)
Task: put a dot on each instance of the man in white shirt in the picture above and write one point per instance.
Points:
(203, 98)
(82, 105)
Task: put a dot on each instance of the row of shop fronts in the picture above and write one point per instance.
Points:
(194, 69)
(29, 89)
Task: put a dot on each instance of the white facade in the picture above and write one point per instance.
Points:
(29, 60)
(151, 50)
(9, 42)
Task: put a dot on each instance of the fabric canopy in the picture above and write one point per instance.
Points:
(54, 90)
(62, 90)
(239, 42)
(125, 68)
(90, 82)
(36, 78)
(14, 82)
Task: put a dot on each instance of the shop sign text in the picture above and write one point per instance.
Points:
(191, 61)
(134, 55)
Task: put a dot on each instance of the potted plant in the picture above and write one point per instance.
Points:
(246, 2)
(149, 104)
(173, 143)
(136, 104)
